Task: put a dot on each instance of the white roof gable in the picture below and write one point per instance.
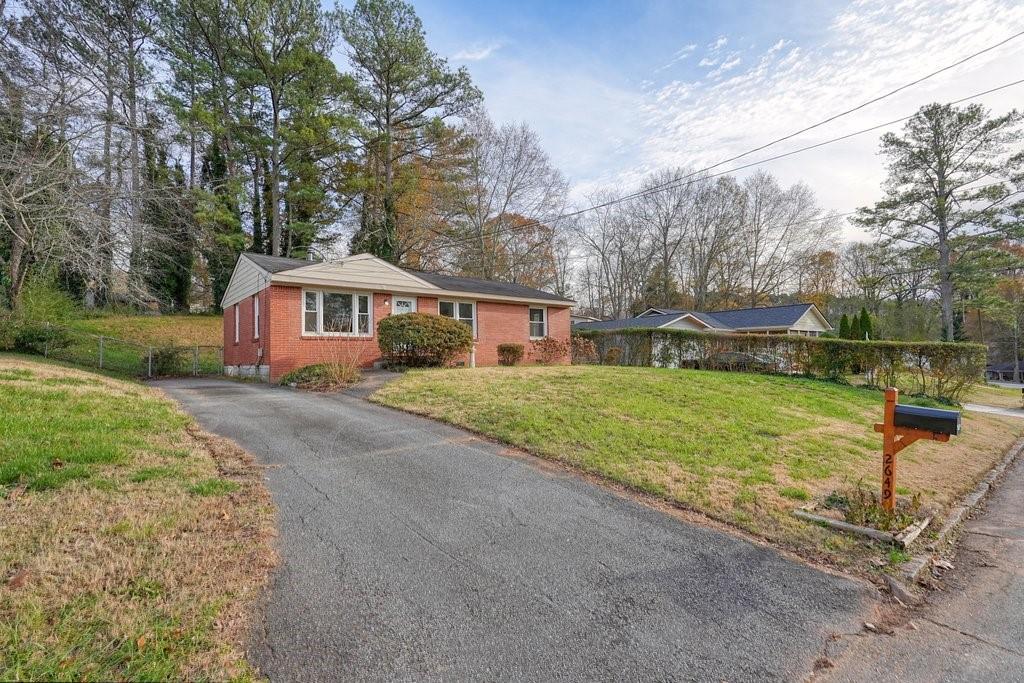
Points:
(246, 279)
(363, 271)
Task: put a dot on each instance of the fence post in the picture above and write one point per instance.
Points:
(46, 341)
(101, 352)
(195, 361)
(149, 371)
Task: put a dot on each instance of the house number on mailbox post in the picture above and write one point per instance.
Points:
(902, 426)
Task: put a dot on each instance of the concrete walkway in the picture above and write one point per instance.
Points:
(974, 629)
(412, 550)
(995, 410)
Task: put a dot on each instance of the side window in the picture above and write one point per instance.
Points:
(538, 322)
(310, 311)
(256, 316)
(236, 323)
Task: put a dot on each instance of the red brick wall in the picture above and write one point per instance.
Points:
(246, 351)
(293, 350)
(497, 323)
(502, 323)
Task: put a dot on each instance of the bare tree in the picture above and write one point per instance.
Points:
(507, 191)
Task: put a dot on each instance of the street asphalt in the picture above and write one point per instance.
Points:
(412, 550)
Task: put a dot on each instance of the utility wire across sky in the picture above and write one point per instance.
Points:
(699, 174)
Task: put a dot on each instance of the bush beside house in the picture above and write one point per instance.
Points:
(422, 340)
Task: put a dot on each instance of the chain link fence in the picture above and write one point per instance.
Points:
(127, 357)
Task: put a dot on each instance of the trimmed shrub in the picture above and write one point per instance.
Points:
(422, 340)
(942, 370)
(583, 350)
(510, 354)
(548, 351)
(322, 376)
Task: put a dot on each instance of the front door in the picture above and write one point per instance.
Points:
(404, 304)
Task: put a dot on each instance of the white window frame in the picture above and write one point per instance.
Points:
(396, 297)
(529, 321)
(236, 323)
(256, 316)
(455, 308)
(320, 314)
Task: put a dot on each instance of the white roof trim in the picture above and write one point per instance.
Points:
(691, 316)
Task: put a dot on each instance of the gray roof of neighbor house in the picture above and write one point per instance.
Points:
(647, 321)
(768, 316)
(651, 321)
(278, 264)
(742, 319)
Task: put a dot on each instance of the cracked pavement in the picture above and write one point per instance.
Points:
(414, 550)
(972, 629)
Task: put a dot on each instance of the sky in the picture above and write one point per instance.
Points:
(617, 90)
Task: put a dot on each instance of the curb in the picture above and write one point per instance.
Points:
(911, 570)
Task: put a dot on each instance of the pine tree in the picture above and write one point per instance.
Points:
(865, 323)
(844, 327)
(855, 331)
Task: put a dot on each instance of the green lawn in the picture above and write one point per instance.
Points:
(125, 553)
(991, 395)
(739, 447)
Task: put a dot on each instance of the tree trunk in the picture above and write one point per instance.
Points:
(135, 257)
(275, 182)
(946, 288)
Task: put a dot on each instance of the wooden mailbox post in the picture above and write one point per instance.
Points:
(902, 426)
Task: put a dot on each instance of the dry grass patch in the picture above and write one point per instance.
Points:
(744, 449)
(124, 570)
(181, 330)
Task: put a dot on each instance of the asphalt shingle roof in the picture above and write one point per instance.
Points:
(480, 286)
(277, 264)
(745, 318)
(769, 316)
(647, 321)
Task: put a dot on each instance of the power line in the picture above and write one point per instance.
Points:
(688, 179)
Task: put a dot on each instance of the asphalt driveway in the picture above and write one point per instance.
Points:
(411, 550)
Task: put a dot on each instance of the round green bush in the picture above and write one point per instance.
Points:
(422, 340)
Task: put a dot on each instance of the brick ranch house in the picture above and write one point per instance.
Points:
(281, 313)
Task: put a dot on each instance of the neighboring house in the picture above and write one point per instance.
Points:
(801, 319)
(580, 318)
(1001, 372)
(281, 314)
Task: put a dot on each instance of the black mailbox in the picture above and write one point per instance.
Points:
(928, 419)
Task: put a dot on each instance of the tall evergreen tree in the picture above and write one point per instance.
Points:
(953, 189)
(401, 88)
(844, 327)
(855, 330)
(865, 323)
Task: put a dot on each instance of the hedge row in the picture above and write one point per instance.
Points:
(938, 369)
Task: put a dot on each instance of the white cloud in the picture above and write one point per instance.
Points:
(871, 47)
(681, 54)
(477, 52)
